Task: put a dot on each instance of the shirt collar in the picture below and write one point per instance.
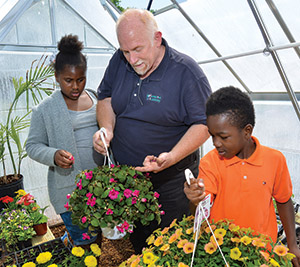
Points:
(255, 159)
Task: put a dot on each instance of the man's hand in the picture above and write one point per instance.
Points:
(98, 144)
(63, 159)
(157, 164)
(195, 192)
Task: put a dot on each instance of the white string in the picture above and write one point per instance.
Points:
(102, 134)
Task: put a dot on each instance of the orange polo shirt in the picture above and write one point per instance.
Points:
(242, 189)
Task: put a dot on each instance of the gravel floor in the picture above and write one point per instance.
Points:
(114, 252)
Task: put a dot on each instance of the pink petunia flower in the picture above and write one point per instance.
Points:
(79, 184)
(125, 225)
(112, 165)
(109, 212)
(67, 206)
(144, 199)
(85, 236)
(120, 229)
(133, 200)
(113, 194)
(112, 180)
(136, 193)
(162, 212)
(68, 196)
(83, 219)
(127, 193)
(91, 201)
(89, 175)
(156, 195)
(89, 194)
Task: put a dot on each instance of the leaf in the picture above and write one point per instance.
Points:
(95, 222)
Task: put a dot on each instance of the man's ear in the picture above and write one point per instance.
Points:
(158, 38)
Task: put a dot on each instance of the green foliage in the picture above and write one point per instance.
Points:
(108, 196)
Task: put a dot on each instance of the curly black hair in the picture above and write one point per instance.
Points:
(69, 53)
(236, 104)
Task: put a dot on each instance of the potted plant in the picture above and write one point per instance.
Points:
(174, 246)
(113, 196)
(32, 88)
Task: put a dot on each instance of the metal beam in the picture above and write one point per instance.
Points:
(274, 55)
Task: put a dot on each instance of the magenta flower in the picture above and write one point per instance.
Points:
(83, 219)
(89, 195)
(144, 199)
(85, 236)
(136, 193)
(79, 184)
(162, 212)
(125, 225)
(89, 175)
(112, 165)
(72, 158)
(91, 201)
(109, 212)
(68, 196)
(133, 200)
(127, 193)
(156, 195)
(113, 194)
(67, 206)
(120, 229)
(112, 180)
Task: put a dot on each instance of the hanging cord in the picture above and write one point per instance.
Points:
(103, 134)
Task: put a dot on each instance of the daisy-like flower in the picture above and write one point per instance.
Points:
(90, 261)
(188, 247)
(280, 250)
(43, 257)
(148, 257)
(235, 253)
(210, 248)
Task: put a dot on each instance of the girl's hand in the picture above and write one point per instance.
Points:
(63, 159)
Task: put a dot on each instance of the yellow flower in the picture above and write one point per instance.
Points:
(181, 243)
(52, 265)
(181, 264)
(190, 230)
(172, 238)
(148, 257)
(43, 257)
(90, 261)
(95, 249)
(290, 256)
(158, 241)
(173, 223)
(233, 228)
(265, 255)
(220, 231)
(28, 264)
(20, 193)
(166, 229)
(235, 239)
(274, 263)
(246, 240)
(257, 242)
(188, 247)
(178, 232)
(135, 262)
(165, 247)
(207, 229)
(219, 239)
(235, 253)
(280, 250)
(150, 239)
(210, 248)
(78, 251)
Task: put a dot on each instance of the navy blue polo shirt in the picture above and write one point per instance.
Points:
(154, 113)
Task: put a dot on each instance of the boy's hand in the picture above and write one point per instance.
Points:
(195, 192)
(296, 252)
(63, 159)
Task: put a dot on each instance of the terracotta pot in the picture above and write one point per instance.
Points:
(40, 229)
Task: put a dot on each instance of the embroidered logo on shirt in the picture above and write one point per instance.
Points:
(154, 98)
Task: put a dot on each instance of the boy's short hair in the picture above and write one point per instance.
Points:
(234, 103)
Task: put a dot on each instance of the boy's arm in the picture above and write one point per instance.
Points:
(287, 217)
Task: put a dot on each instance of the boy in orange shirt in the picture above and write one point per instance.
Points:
(241, 175)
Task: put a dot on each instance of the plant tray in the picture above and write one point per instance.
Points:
(57, 247)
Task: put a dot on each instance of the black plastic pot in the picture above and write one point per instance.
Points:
(10, 189)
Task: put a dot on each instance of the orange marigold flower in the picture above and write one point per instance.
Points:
(188, 247)
(190, 230)
(165, 247)
(181, 243)
(280, 250)
(265, 255)
(172, 238)
(219, 239)
(210, 248)
(158, 241)
(166, 229)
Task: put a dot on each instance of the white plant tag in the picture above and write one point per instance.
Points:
(199, 216)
